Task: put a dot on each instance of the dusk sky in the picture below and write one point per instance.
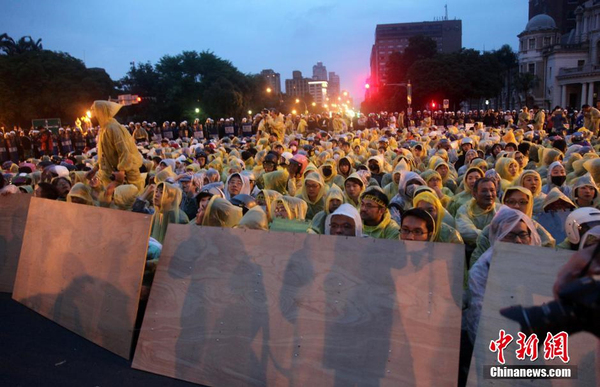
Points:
(253, 35)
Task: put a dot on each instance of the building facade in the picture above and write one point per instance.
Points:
(297, 86)
(319, 72)
(334, 84)
(390, 38)
(273, 80)
(319, 91)
(566, 67)
(562, 11)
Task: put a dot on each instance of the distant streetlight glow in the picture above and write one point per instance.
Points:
(88, 114)
(197, 110)
(325, 106)
(269, 90)
(297, 100)
(345, 93)
(294, 111)
(249, 112)
(314, 104)
(367, 86)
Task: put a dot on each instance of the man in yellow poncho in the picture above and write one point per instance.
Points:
(274, 125)
(313, 193)
(118, 155)
(442, 232)
(477, 213)
(375, 215)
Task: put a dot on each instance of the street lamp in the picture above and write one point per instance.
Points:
(249, 112)
(345, 93)
(269, 90)
(297, 100)
(197, 110)
(88, 114)
(294, 112)
(314, 104)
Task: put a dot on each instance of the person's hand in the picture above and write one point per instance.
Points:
(119, 176)
(439, 192)
(90, 175)
(573, 268)
(148, 192)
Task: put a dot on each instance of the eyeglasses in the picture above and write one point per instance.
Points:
(523, 236)
(369, 206)
(512, 202)
(416, 232)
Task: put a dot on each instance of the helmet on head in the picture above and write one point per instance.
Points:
(245, 202)
(580, 221)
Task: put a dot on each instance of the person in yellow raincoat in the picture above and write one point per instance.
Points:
(221, 213)
(531, 180)
(265, 199)
(124, 197)
(585, 192)
(508, 169)
(329, 171)
(167, 199)
(313, 193)
(288, 207)
(473, 174)
(255, 219)
(118, 155)
(354, 186)
(377, 221)
(434, 181)
(275, 125)
(333, 199)
(473, 216)
(344, 170)
(80, 194)
(442, 233)
(521, 199)
(391, 189)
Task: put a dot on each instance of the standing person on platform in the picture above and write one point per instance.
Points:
(118, 155)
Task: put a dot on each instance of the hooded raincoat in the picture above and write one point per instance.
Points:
(348, 211)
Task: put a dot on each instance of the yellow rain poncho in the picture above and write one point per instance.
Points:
(556, 195)
(167, 211)
(391, 189)
(538, 196)
(356, 178)
(502, 167)
(318, 204)
(463, 197)
(443, 232)
(81, 191)
(295, 207)
(471, 219)
(341, 177)
(386, 229)
(269, 197)
(116, 148)
(317, 225)
(593, 167)
(585, 180)
(221, 213)
(329, 180)
(547, 157)
(277, 181)
(164, 175)
(124, 197)
(255, 219)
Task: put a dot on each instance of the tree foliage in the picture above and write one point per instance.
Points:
(37, 83)
(11, 47)
(177, 85)
(467, 74)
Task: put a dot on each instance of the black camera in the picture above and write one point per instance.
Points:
(577, 309)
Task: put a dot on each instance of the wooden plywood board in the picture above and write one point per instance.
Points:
(13, 216)
(82, 267)
(233, 307)
(525, 275)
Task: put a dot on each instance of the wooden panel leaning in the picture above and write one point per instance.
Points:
(233, 307)
(13, 216)
(82, 268)
(525, 275)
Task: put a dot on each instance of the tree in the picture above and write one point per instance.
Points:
(25, 44)
(178, 85)
(47, 84)
(524, 83)
(509, 64)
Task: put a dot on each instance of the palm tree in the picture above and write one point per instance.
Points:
(25, 44)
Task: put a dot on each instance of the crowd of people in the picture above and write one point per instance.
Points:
(471, 178)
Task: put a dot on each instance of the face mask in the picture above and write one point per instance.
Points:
(327, 172)
(558, 180)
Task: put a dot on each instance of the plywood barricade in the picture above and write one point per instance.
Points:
(525, 275)
(233, 307)
(13, 216)
(82, 267)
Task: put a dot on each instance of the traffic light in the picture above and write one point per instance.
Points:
(432, 105)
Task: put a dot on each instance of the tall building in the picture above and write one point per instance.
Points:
(561, 11)
(297, 86)
(566, 67)
(390, 38)
(334, 84)
(273, 80)
(318, 90)
(319, 72)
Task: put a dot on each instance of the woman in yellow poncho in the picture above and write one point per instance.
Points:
(391, 189)
(443, 232)
(124, 197)
(531, 180)
(333, 199)
(508, 169)
(255, 219)
(344, 170)
(329, 171)
(547, 157)
(434, 181)
(313, 193)
(221, 213)
(167, 199)
(473, 174)
(265, 200)
(80, 194)
(288, 207)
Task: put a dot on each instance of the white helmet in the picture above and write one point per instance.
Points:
(580, 221)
